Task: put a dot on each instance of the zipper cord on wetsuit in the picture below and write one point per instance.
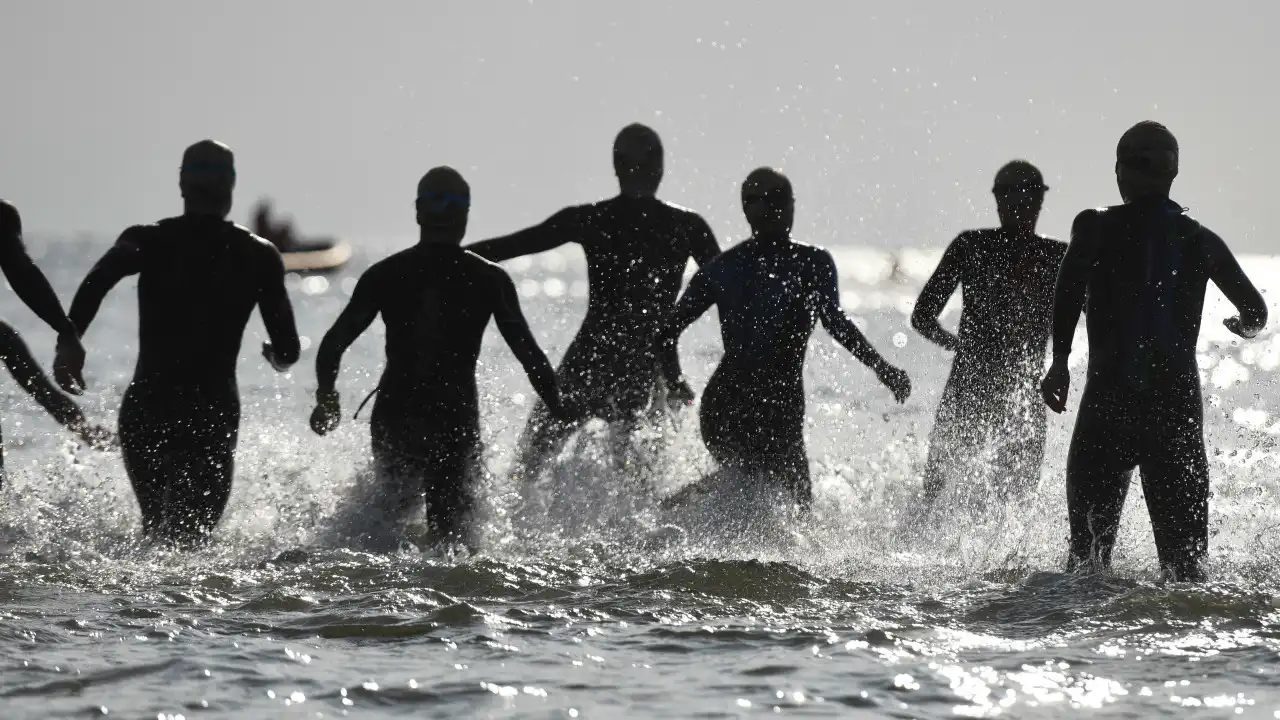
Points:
(366, 400)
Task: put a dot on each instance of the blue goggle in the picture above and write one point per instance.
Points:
(438, 202)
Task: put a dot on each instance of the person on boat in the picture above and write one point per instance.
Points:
(32, 287)
(1007, 276)
(637, 249)
(1143, 267)
(200, 277)
(771, 291)
(436, 299)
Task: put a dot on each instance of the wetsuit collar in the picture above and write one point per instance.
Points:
(1156, 202)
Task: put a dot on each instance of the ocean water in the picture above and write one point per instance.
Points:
(593, 602)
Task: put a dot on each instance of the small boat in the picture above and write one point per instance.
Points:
(300, 255)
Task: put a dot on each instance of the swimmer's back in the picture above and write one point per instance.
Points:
(767, 295)
(199, 280)
(436, 301)
(1008, 292)
(637, 251)
(1146, 286)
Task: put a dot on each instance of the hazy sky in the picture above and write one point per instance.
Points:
(891, 117)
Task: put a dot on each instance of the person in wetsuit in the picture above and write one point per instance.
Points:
(770, 291)
(200, 277)
(1143, 267)
(33, 288)
(1007, 275)
(436, 299)
(637, 248)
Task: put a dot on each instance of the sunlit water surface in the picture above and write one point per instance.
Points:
(593, 603)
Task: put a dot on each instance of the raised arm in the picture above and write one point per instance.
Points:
(1227, 274)
(1068, 301)
(942, 283)
(555, 231)
(698, 297)
(354, 319)
(31, 285)
(838, 324)
(515, 331)
(283, 348)
(122, 260)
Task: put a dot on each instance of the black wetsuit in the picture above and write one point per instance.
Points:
(770, 295)
(637, 250)
(436, 300)
(200, 278)
(1144, 268)
(991, 395)
(31, 286)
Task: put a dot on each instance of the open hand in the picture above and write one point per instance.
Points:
(68, 365)
(1055, 386)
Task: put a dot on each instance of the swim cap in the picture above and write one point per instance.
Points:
(441, 187)
(208, 164)
(1149, 147)
(765, 182)
(636, 144)
(1019, 175)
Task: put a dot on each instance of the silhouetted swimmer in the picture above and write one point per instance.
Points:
(770, 291)
(200, 277)
(33, 289)
(1007, 276)
(435, 299)
(637, 248)
(1143, 267)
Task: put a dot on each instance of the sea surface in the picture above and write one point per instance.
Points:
(592, 601)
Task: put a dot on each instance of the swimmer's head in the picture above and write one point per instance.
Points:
(768, 202)
(208, 177)
(443, 204)
(637, 160)
(1019, 189)
(1146, 161)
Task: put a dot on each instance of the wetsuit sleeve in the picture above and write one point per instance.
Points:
(354, 319)
(1073, 281)
(28, 282)
(703, 245)
(122, 260)
(277, 311)
(515, 331)
(696, 300)
(834, 319)
(551, 233)
(1227, 274)
(22, 365)
(933, 297)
